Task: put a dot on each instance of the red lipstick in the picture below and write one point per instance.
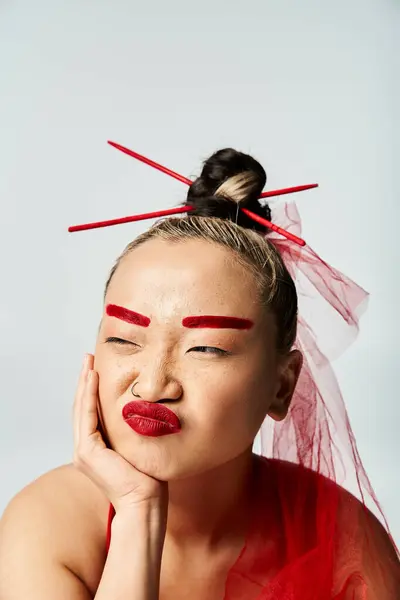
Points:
(150, 419)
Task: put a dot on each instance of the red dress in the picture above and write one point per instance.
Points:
(309, 539)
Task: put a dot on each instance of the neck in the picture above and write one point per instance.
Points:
(211, 510)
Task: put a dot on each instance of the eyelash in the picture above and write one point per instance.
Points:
(217, 351)
(115, 340)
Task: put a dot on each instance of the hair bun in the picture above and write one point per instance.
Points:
(230, 179)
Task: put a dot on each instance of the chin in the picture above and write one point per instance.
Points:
(164, 460)
(150, 458)
(163, 464)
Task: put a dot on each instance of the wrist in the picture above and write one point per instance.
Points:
(144, 520)
(143, 512)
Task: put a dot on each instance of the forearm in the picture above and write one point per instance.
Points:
(133, 565)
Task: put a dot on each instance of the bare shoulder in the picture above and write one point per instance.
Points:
(61, 516)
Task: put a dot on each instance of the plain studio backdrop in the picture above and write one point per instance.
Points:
(310, 88)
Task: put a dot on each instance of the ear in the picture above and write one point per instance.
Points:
(289, 372)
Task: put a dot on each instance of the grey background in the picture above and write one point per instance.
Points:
(310, 88)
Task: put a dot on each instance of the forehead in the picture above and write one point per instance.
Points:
(189, 277)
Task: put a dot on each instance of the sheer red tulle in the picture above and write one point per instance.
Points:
(309, 539)
(317, 433)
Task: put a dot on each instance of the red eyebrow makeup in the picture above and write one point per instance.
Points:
(127, 315)
(217, 322)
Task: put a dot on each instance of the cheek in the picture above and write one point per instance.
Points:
(239, 396)
(114, 378)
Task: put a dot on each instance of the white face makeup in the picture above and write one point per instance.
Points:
(184, 321)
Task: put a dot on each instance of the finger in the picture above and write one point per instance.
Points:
(89, 418)
(86, 366)
(101, 426)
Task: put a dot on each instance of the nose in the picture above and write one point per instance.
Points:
(156, 383)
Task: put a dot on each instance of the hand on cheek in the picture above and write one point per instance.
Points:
(125, 486)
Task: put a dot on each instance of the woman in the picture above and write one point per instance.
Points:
(166, 499)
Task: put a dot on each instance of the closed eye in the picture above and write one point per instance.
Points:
(201, 349)
(208, 350)
(121, 342)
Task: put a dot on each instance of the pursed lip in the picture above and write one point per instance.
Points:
(149, 410)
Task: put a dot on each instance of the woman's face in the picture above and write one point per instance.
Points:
(221, 382)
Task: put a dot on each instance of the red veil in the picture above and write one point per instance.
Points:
(330, 547)
(333, 547)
